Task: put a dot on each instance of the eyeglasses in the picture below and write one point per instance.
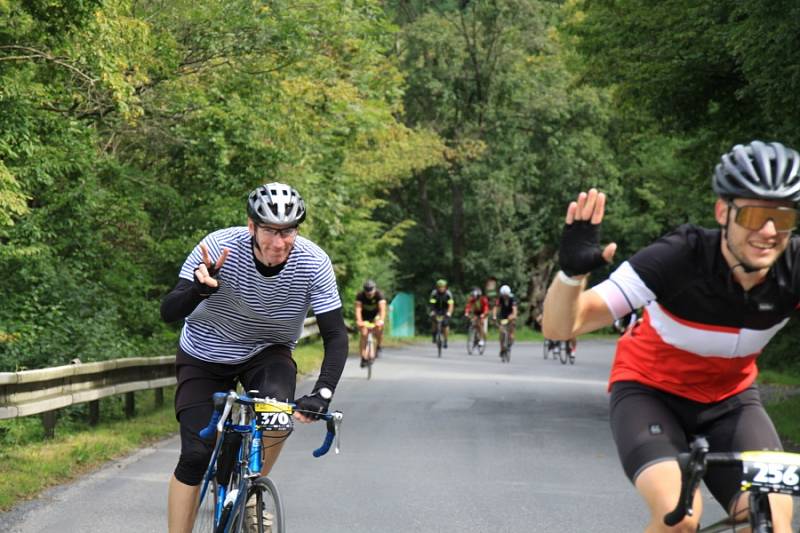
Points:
(283, 232)
(753, 217)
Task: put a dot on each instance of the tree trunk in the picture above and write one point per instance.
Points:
(542, 270)
(457, 195)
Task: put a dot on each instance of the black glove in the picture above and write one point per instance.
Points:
(580, 252)
(312, 405)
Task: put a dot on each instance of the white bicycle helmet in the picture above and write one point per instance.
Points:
(505, 290)
(276, 203)
(759, 170)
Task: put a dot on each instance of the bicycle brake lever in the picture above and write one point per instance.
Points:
(232, 396)
(337, 417)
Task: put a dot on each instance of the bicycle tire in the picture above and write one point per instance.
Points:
(268, 499)
(439, 342)
(370, 354)
(481, 347)
(563, 355)
(470, 339)
(545, 349)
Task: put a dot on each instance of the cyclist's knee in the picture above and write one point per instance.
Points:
(193, 461)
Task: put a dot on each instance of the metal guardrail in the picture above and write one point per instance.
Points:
(46, 390)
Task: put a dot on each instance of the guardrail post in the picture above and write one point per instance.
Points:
(94, 412)
(49, 423)
(130, 405)
(159, 396)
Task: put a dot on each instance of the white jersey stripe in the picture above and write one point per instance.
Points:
(620, 302)
(709, 342)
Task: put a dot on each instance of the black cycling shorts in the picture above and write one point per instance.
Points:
(650, 426)
(272, 372)
(445, 318)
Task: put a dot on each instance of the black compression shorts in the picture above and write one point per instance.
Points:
(272, 372)
(650, 426)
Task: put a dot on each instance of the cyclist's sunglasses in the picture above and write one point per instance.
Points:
(282, 232)
(753, 217)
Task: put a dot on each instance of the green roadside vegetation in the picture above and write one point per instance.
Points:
(29, 464)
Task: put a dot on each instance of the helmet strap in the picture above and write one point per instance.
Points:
(741, 264)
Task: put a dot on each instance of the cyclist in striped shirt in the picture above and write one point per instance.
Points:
(244, 293)
(712, 299)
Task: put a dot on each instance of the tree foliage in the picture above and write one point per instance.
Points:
(129, 129)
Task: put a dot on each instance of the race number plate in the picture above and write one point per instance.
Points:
(274, 417)
(771, 472)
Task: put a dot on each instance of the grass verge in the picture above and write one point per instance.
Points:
(28, 464)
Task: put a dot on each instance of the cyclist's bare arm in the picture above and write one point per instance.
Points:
(382, 310)
(359, 319)
(570, 311)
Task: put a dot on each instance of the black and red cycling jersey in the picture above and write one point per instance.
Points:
(701, 331)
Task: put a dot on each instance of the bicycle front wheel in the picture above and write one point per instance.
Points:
(471, 334)
(563, 355)
(204, 520)
(263, 512)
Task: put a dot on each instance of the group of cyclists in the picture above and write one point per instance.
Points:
(476, 310)
(711, 299)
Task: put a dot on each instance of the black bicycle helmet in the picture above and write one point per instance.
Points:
(759, 170)
(369, 285)
(276, 203)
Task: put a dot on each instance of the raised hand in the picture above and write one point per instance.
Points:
(206, 271)
(580, 251)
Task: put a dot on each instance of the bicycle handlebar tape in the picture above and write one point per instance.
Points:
(211, 429)
(579, 252)
(326, 445)
(675, 516)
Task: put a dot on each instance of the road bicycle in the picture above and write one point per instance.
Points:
(505, 341)
(474, 337)
(370, 348)
(234, 496)
(560, 350)
(763, 473)
(439, 333)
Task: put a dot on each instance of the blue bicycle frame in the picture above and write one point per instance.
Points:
(250, 443)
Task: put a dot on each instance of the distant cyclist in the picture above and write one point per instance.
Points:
(506, 308)
(713, 299)
(477, 309)
(441, 305)
(370, 307)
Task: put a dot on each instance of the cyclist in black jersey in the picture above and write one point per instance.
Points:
(506, 308)
(244, 293)
(370, 307)
(441, 304)
(712, 299)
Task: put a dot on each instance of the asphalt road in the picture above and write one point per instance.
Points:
(457, 444)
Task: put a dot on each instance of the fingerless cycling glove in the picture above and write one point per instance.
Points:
(580, 251)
